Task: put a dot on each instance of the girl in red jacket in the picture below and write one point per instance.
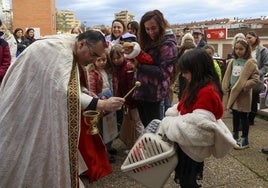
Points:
(124, 74)
(202, 95)
(101, 86)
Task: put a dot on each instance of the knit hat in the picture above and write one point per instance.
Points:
(128, 37)
(187, 37)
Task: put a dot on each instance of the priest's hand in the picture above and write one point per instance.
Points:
(111, 104)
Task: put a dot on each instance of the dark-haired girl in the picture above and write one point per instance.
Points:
(195, 122)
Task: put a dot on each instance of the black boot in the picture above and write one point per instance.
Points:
(200, 169)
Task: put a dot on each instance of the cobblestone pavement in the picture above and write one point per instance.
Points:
(239, 169)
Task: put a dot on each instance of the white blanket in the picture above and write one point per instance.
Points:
(198, 134)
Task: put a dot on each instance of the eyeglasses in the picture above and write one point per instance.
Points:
(93, 54)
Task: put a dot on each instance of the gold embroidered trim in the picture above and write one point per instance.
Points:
(73, 124)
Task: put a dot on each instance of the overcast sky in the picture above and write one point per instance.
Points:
(100, 12)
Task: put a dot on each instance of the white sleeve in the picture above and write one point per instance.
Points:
(85, 100)
(136, 51)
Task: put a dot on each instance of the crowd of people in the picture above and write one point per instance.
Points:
(12, 45)
(46, 90)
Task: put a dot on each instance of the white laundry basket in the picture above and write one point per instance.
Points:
(152, 159)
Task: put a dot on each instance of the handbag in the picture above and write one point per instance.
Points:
(109, 127)
(128, 134)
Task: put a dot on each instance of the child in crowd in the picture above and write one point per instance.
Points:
(195, 122)
(211, 50)
(101, 85)
(76, 30)
(133, 27)
(124, 72)
(235, 38)
(99, 77)
(9, 37)
(181, 82)
(240, 77)
(5, 57)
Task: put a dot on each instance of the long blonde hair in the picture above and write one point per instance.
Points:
(6, 31)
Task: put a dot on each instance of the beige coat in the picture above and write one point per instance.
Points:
(239, 97)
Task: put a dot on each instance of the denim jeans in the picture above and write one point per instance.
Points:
(164, 105)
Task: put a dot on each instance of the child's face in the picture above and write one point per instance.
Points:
(118, 59)
(240, 50)
(76, 31)
(101, 61)
(187, 75)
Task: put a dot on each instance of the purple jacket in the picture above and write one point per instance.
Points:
(155, 78)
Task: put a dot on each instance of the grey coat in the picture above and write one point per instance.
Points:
(262, 62)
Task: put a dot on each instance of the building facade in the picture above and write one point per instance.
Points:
(125, 16)
(40, 15)
(66, 21)
(5, 13)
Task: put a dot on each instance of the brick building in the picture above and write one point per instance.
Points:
(40, 15)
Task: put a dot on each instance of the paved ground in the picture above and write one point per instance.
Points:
(239, 169)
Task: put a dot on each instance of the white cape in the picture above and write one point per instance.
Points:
(198, 133)
(34, 143)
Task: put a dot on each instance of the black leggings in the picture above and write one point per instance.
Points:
(186, 170)
(241, 118)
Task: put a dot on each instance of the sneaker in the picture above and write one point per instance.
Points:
(242, 144)
(176, 180)
(127, 151)
(236, 136)
(264, 150)
(199, 176)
